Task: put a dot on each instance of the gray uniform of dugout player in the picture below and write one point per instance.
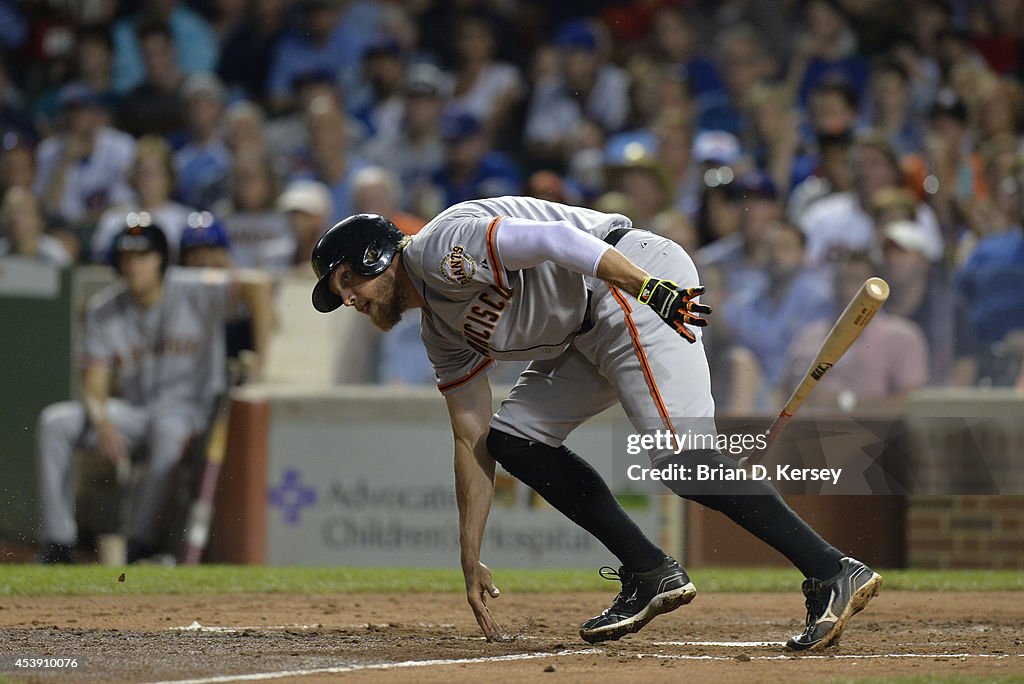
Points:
(169, 359)
(522, 278)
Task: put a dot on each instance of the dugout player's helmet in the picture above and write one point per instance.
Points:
(366, 242)
(204, 230)
(141, 235)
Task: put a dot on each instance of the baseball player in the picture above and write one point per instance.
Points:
(606, 313)
(160, 332)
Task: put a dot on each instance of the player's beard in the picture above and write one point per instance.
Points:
(387, 311)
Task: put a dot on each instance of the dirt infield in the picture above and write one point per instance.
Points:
(433, 638)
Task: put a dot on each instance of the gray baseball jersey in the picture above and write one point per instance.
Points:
(478, 311)
(170, 355)
(169, 363)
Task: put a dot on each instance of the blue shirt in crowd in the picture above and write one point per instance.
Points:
(992, 283)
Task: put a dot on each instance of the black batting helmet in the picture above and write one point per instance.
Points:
(140, 236)
(366, 242)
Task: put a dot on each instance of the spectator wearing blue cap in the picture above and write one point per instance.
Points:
(585, 85)
(82, 168)
(473, 169)
(205, 243)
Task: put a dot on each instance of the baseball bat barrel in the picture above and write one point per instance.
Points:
(848, 327)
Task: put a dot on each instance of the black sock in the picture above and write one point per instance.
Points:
(574, 488)
(758, 508)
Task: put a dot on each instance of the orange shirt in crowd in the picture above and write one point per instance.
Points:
(407, 223)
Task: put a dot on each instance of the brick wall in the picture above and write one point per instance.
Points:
(965, 531)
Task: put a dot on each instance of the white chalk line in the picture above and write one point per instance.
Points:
(797, 656)
(340, 669)
(727, 644)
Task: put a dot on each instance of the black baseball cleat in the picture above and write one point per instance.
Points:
(56, 554)
(644, 596)
(831, 603)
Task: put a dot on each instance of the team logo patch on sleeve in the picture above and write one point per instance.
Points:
(457, 266)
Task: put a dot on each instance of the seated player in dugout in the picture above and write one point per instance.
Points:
(157, 335)
(205, 244)
(606, 313)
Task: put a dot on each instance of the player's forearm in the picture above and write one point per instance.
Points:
(474, 489)
(95, 392)
(256, 287)
(54, 188)
(619, 272)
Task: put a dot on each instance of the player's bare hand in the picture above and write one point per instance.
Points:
(110, 443)
(675, 305)
(480, 587)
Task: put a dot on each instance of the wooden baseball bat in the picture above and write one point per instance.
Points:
(851, 323)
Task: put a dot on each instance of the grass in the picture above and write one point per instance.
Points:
(933, 679)
(84, 580)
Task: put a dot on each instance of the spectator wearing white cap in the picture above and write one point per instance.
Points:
(841, 222)
(307, 206)
(923, 293)
(204, 159)
(713, 156)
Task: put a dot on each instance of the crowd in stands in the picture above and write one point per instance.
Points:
(792, 147)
